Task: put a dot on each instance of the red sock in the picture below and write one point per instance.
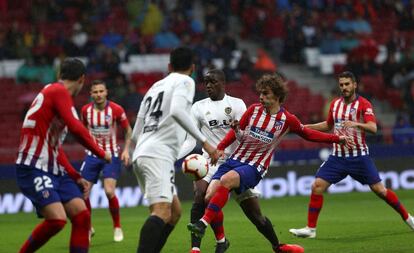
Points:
(217, 225)
(79, 238)
(41, 234)
(392, 200)
(88, 204)
(315, 206)
(216, 203)
(114, 209)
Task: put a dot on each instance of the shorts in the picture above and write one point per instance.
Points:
(249, 175)
(92, 167)
(43, 188)
(156, 179)
(249, 193)
(360, 168)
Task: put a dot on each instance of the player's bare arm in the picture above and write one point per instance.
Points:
(125, 153)
(321, 126)
(212, 152)
(369, 126)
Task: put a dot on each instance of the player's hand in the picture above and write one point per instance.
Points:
(235, 125)
(85, 186)
(348, 141)
(108, 157)
(220, 153)
(350, 124)
(212, 152)
(125, 157)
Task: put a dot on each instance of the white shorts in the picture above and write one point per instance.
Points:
(156, 179)
(250, 193)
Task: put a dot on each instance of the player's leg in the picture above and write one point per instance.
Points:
(170, 225)
(197, 210)
(109, 187)
(40, 188)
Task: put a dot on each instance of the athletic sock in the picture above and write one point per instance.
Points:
(392, 199)
(217, 202)
(88, 205)
(114, 210)
(315, 206)
(197, 211)
(150, 234)
(168, 228)
(266, 229)
(41, 234)
(217, 226)
(79, 237)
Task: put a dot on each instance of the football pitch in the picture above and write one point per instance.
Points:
(349, 223)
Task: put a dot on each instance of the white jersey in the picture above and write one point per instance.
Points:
(213, 119)
(161, 136)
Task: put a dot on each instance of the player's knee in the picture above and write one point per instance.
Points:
(56, 225)
(228, 181)
(110, 193)
(317, 188)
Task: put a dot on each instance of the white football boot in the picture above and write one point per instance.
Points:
(305, 232)
(91, 233)
(410, 221)
(118, 235)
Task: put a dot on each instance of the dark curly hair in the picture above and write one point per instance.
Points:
(276, 83)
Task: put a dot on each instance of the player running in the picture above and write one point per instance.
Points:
(260, 130)
(159, 132)
(41, 163)
(354, 115)
(101, 117)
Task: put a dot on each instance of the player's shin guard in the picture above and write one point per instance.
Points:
(266, 229)
(217, 226)
(392, 200)
(197, 211)
(79, 237)
(114, 209)
(41, 234)
(315, 206)
(216, 203)
(150, 234)
(168, 228)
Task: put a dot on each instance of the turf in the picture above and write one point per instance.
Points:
(349, 223)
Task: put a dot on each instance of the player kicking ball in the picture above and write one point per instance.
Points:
(354, 115)
(260, 130)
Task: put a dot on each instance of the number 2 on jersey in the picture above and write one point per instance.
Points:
(37, 103)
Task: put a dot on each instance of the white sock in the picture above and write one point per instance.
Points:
(221, 240)
(205, 222)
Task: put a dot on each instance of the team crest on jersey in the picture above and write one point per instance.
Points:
(45, 194)
(369, 111)
(227, 110)
(279, 125)
(107, 118)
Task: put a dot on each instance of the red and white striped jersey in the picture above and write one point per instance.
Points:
(103, 124)
(44, 129)
(359, 110)
(260, 133)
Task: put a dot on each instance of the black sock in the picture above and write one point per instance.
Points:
(267, 230)
(168, 228)
(150, 234)
(197, 212)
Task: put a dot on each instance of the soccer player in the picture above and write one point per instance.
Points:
(354, 115)
(41, 163)
(259, 131)
(101, 117)
(159, 132)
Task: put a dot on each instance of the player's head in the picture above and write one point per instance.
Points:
(182, 60)
(215, 80)
(272, 89)
(98, 92)
(347, 84)
(73, 70)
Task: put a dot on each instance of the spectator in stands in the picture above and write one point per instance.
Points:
(402, 131)
(264, 64)
(46, 72)
(329, 44)
(79, 38)
(245, 64)
(110, 63)
(349, 42)
(111, 39)
(153, 20)
(344, 23)
(389, 68)
(132, 100)
(166, 39)
(310, 30)
(366, 10)
(361, 26)
(274, 32)
(27, 72)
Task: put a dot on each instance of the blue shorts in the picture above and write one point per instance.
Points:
(43, 188)
(92, 167)
(249, 175)
(360, 168)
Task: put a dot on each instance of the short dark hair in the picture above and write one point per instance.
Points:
(219, 74)
(181, 59)
(98, 81)
(72, 69)
(276, 83)
(347, 74)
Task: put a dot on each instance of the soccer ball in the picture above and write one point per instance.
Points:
(195, 166)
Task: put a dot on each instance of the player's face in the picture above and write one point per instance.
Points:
(213, 86)
(267, 97)
(347, 87)
(99, 93)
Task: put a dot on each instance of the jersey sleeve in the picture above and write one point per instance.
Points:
(84, 118)
(63, 161)
(240, 109)
(297, 127)
(194, 115)
(330, 119)
(368, 112)
(121, 118)
(65, 109)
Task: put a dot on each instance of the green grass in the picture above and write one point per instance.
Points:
(349, 223)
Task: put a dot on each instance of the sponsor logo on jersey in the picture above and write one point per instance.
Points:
(227, 110)
(261, 135)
